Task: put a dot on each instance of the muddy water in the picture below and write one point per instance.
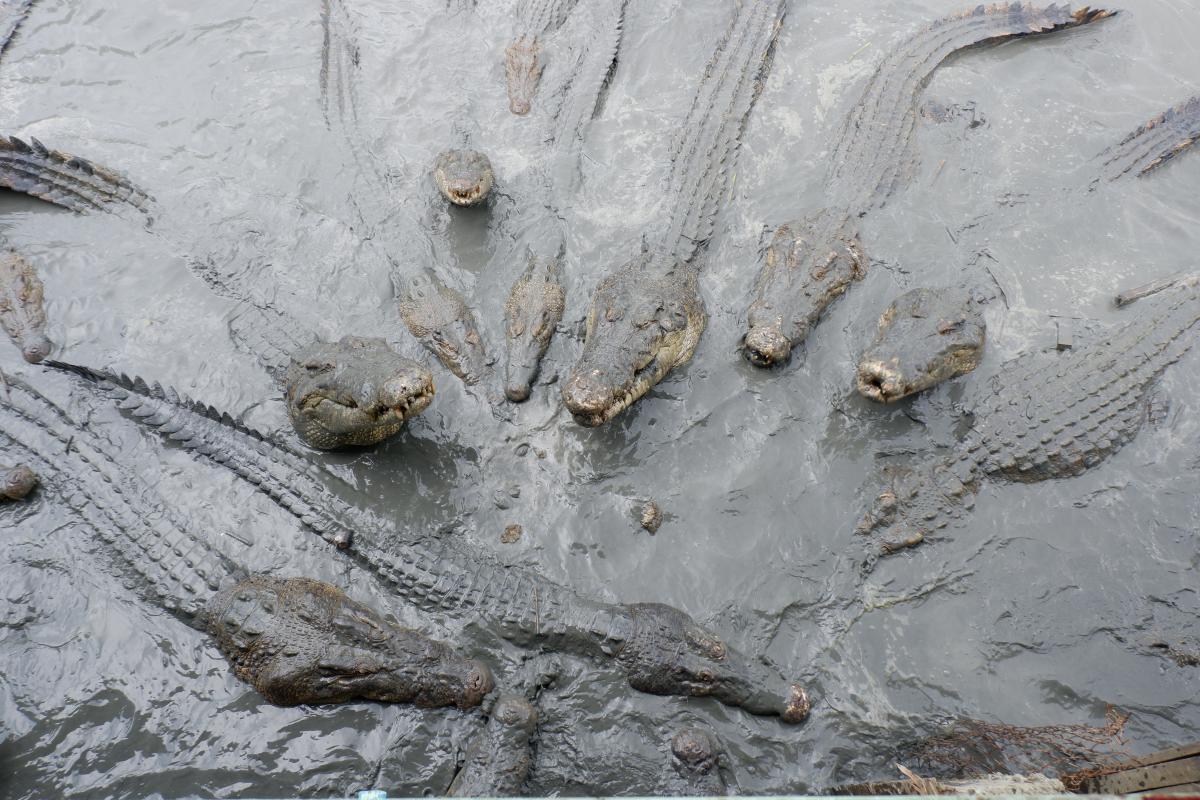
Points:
(1040, 610)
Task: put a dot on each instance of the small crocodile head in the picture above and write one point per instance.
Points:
(695, 751)
(639, 328)
(35, 347)
(808, 264)
(522, 71)
(667, 653)
(298, 640)
(354, 392)
(464, 177)
(925, 337)
(17, 482)
(532, 313)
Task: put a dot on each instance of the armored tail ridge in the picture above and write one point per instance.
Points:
(12, 14)
(1154, 143)
(65, 180)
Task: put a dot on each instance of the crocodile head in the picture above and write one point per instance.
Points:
(464, 177)
(667, 653)
(532, 312)
(354, 392)
(808, 264)
(925, 337)
(17, 482)
(641, 326)
(298, 640)
(522, 72)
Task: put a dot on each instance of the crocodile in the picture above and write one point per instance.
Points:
(695, 762)
(22, 314)
(295, 640)
(534, 225)
(17, 482)
(12, 14)
(1153, 143)
(499, 758)
(438, 317)
(660, 649)
(925, 336)
(523, 64)
(464, 177)
(355, 392)
(647, 316)
(813, 261)
(1042, 417)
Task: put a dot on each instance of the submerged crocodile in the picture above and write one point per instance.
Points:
(813, 261)
(695, 762)
(12, 14)
(17, 482)
(499, 758)
(534, 224)
(66, 180)
(295, 640)
(22, 314)
(660, 649)
(1043, 417)
(1154, 143)
(523, 64)
(438, 317)
(647, 316)
(925, 336)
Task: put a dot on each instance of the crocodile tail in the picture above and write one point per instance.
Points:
(1154, 143)
(269, 336)
(65, 180)
(870, 160)
(704, 154)
(178, 569)
(12, 14)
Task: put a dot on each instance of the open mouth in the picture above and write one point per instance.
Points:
(465, 197)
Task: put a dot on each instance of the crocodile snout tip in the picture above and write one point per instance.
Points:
(478, 684)
(798, 706)
(766, 347)
(879, 382)
(586, 399)
(517, 392)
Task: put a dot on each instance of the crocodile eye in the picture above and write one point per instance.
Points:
(705, 676)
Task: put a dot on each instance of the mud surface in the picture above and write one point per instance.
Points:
(1043, 609)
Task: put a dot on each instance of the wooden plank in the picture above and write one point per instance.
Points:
(1163, 755)
(1187, 790)
(1155, 776)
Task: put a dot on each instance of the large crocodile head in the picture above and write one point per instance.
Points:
(16, 482)
(522, 72)
(298, 640)
(531, 314)
(642, 324)
(668, 653)
(354, 392)
(808, 264)
(464, 177)
(925, 337)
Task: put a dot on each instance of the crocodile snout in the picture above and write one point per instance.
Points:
(587, 399)
(766, 347)
(880, 382)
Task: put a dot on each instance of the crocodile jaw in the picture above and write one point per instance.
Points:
(464, 177)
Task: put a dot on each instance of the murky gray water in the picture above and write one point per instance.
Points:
(1039, 611)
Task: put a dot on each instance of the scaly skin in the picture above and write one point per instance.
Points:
(66, 180)
(1044, 417)
(925, 336)
(695, 757)
(22, 314)
(641, 326)
(532, 312)
(1154, 143)
(500, 756)
(301, 641)
(464, 177)
(354, 393)
(872, 160)
(441, 321)
(295, 640)
(647, 316)
(12, 14)
(523, 65)
(17, 482)
(660, 649)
